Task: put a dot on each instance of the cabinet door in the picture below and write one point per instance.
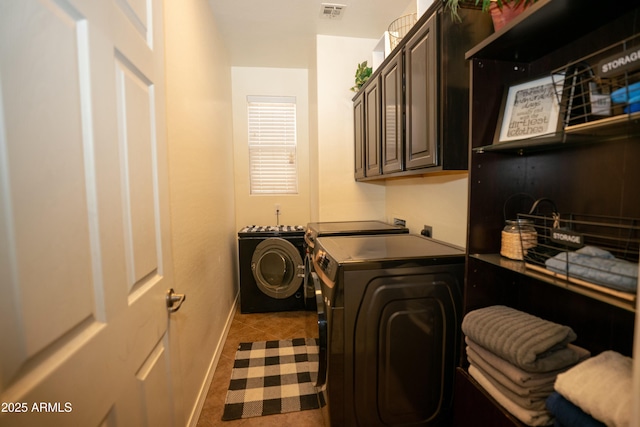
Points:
(372, 129)
(421, 60)
(392, 109)
(358, 124)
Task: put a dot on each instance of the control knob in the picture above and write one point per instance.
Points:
(323, 261)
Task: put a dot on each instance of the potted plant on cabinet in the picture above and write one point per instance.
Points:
(362, 75)
(502, 11)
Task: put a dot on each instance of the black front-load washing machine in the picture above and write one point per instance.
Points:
(271, 268)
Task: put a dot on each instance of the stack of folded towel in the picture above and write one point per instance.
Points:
(597, 266)
(516, 358)
(594, 393)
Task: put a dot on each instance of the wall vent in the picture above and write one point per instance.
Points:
(332, 11)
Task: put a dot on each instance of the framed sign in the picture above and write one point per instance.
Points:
(530, 110)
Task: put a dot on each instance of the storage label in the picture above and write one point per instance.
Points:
(619, 63)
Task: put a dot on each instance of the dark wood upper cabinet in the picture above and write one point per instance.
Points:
(423, 86)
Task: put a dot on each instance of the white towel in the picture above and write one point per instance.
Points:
(601, 386)
(531, 402)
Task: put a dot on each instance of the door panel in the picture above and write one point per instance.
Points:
(45, 191)
(154, 387)
(137, 147)
(405, 348)
(392, 112)
(422, 97)
(136, 12)
(372, 128)
(358, 116)
(84, 253)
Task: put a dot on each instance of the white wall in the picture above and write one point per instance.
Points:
(260, 209)
(314, 186)
(339, 196)
(440, 201)
(198, 83)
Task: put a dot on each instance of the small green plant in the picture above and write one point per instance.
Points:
(453, 5)
(362, 75)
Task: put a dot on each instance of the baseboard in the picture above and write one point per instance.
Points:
(202, 395)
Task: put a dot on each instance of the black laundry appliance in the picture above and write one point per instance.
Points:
(271, 268)
(389, 312)
(339, 228)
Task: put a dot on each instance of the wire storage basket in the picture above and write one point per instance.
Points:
(601, 89)
(400, 27)
(597, 252)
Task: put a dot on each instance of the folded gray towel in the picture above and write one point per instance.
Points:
(519, 379)
(492, 371)
(529, 342)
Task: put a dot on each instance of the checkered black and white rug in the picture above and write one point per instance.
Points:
(272, 377)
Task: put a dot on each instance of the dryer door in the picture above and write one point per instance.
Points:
(277, 266)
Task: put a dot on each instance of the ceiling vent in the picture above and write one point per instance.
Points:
(332, 11)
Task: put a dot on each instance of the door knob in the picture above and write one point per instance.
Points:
(173, 299)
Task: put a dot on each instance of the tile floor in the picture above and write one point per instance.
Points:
(258, 327)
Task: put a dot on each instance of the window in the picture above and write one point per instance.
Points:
(273, 165)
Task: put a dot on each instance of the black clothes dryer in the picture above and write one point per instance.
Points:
(389, 309)
(271, 268)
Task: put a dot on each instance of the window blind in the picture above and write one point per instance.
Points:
(272, 145)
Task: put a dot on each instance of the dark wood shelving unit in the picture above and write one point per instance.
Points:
(546, 25)
(589, 168)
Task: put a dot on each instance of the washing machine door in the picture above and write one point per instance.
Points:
(277, 267)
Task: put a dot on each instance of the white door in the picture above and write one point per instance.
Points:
(84, 254)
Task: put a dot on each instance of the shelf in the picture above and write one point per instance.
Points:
(475, 406)
(607, 129)
(519, 267)
(546, 25)
(546, 142)
(414, 173)
(615, 127)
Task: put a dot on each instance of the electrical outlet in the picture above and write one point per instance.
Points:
(427, 231)
(400, 222)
